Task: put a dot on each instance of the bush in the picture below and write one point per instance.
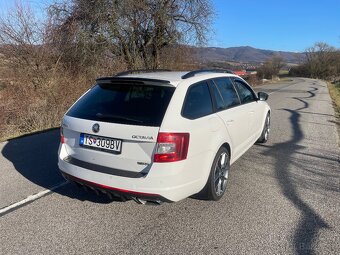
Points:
(253, 80)
(271, 68)
(322, 62)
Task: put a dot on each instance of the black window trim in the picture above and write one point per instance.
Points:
(247, 85)
(210, 82)
(212, 99)
(232, 83)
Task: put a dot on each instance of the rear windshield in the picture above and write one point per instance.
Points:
(133, 104)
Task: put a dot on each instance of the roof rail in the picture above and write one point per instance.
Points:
(193, 73)
(141, 71)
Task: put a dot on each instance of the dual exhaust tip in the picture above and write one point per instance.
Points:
(112, 195)
(146, 202)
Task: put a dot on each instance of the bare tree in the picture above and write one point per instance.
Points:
(136, 31)
(24, 46)
(30, 72)
(21, 37)
(47, 65)
(270, 68)
(321, 60)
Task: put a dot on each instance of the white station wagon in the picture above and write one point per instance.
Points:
(161, 136)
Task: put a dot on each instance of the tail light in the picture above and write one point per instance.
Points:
(171, 147)
(62, 139)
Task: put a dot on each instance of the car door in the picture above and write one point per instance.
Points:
(233, 113)
(249, 102)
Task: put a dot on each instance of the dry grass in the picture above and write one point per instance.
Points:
(25, 108)
(36, 101)
(334, 91)
(46, 65)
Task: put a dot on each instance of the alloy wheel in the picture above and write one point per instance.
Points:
(221, 174)
(267, 128)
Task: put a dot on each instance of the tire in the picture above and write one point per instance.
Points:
(266, 130)
(218, 177)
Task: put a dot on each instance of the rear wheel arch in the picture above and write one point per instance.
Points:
(209, 191)
(224, 145)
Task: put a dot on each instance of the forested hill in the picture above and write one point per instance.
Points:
(244, 54)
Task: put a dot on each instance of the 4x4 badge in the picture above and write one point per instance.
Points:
(95, 128)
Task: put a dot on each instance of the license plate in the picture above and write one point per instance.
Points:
(101, 143)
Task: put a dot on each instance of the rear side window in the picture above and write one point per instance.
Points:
(197, 102)
(228, 92)
(245, 93)
(133, 104)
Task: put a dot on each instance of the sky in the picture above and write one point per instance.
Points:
(276, 25)
(290, 25)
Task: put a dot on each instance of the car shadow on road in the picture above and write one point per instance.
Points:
(310, 222)
(35, 157)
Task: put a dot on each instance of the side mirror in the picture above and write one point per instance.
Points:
(262, 96)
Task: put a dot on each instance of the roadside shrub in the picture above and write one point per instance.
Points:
(253, 80)
(271, 68)
(322, 62)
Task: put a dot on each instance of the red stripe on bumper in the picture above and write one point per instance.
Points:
(111, 188)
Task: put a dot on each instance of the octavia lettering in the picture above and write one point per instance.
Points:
(142, 137)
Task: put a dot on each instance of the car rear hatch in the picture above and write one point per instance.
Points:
(113, 128)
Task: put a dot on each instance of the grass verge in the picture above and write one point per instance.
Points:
(334, 91)
(20, 135)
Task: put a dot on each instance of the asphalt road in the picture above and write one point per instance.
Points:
(283, 197)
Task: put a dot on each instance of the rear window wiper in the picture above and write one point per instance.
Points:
(113, 116)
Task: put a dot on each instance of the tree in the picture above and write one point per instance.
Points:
(270, 68)
(321, 60)
(48, 63)
(135, 31)
(22, 41)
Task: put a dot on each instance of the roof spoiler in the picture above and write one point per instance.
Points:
(114, 79)
(141, 71)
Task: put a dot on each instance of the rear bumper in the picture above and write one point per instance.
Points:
(168, 182)
(122, 193)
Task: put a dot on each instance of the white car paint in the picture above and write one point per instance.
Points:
(239, 127)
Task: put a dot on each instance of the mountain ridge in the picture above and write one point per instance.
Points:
(244, 54)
